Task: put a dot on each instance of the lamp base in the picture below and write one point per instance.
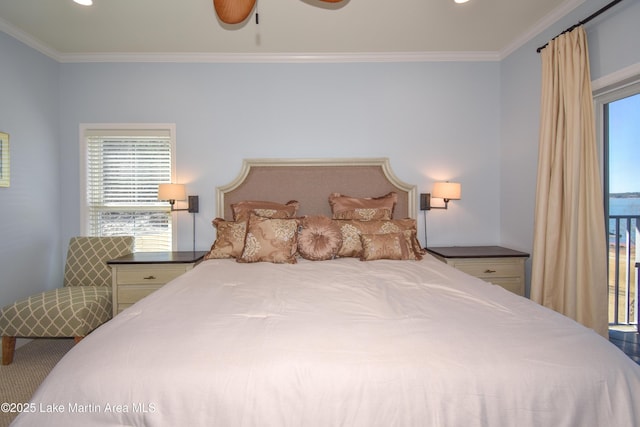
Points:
(194, 204)
(425, 202)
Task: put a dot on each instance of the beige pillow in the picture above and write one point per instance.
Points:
(396, 246)
(363, 209)
(270, 240)
(319, 238)
(241, 210)
(229, 239)
(351, 231)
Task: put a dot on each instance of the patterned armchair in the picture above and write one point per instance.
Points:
(83, 304)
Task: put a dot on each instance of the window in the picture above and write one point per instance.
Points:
(123, 165)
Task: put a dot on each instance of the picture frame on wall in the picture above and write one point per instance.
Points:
(4, 160)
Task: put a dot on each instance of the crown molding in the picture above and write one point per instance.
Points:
(335, 57)
(28, 40)
(558, 13)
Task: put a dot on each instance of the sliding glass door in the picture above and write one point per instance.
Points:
(620, 121)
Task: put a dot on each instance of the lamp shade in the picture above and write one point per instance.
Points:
(447, 190)
(171, 192)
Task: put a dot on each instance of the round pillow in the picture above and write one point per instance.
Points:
(319, 238)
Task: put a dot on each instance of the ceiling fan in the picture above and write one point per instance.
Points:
(236, 11)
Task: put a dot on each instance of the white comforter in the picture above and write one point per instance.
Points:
(338, 343)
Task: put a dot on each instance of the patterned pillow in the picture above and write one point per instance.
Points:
(319, 238)
(229, 239)
(270, 240)
(352, 229)
(241, 210)
(363, 209)
(397, 246)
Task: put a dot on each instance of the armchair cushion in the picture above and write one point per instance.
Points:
(63, 312)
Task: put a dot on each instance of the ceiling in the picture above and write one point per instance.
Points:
(489, 28)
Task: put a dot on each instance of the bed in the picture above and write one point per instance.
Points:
(338, 341)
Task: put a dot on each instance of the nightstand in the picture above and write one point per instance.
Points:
(136, 275)
(494, 264)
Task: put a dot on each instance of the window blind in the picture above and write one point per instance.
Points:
(123, 173)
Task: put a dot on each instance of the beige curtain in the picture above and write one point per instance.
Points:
(569, 264)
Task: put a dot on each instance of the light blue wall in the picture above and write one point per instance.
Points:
(433, 120)
(30, 245)
(614, 44)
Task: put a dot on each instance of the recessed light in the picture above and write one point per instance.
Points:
(88, 2)
(461, 1)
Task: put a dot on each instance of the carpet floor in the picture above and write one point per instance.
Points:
(31, 364)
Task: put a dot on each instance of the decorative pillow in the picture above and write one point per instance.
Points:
(229, 239)
(241, 210)
(352, 229)
(397, 246)
(270, 240)
(319, 238)
(363, 209)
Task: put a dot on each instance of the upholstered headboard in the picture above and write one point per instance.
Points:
(310, 181)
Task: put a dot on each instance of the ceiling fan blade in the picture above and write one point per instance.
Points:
(233, 11)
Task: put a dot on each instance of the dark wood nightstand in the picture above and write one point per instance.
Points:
(136, 275)
(495, 264)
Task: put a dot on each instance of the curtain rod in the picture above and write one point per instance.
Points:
(584, 21)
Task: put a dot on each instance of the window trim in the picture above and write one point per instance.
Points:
(84, 128)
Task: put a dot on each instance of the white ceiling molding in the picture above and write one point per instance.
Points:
(557, 14)
(28, 40)
(285, 57)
